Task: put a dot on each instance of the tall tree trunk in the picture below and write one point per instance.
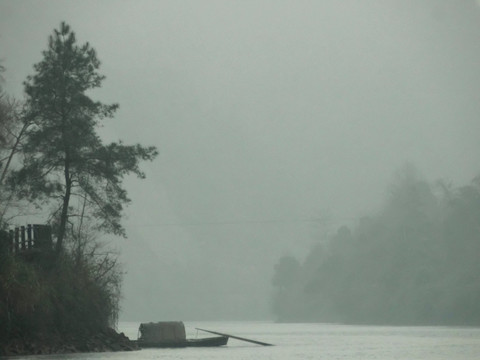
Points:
(66, 201)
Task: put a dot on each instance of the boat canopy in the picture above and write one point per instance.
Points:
(163, 331)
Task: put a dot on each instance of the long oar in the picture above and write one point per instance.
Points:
(236, 337)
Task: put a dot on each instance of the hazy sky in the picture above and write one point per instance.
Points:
(266, 114)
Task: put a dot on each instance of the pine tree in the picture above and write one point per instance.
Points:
(64, 157)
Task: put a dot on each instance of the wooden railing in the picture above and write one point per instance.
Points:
(26, 238)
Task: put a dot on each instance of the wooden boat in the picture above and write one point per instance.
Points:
(171, 334)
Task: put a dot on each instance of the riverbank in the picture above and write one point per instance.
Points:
(53, 303)
(106, 340)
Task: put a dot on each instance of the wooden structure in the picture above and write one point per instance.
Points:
(25, 238)
(162, 332)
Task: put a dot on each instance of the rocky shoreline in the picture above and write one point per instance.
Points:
(103, 341)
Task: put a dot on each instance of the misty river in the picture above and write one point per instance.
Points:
(310, 341)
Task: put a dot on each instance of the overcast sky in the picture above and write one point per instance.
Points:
(267, 114)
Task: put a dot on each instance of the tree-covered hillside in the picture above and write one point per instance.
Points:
(415, 262)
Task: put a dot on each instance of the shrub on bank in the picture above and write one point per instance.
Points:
(52, 295)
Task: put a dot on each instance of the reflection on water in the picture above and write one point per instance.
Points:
(310, 341)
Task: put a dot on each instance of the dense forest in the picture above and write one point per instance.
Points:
(63, 297)
(414, 262)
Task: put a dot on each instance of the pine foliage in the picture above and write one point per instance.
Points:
(64, 157)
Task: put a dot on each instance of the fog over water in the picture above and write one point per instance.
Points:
(276, 122)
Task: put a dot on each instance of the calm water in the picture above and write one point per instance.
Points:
(311, 341)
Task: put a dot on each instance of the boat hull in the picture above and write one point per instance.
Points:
(200, 342)
(211, 341)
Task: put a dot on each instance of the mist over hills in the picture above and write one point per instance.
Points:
(277, 123)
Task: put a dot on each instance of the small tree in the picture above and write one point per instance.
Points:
(64, 157)
(12, 131)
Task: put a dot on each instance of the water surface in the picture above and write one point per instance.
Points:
(310, 341)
